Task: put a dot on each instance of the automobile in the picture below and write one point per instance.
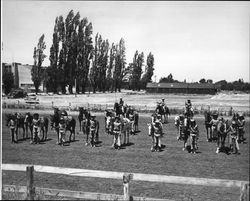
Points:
(31, 98)
(17, 93)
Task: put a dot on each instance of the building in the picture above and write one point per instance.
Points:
(22, 75)
(187, 88)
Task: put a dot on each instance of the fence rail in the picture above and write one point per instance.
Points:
(243, 185)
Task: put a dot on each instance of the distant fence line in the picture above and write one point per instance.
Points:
(198, 109)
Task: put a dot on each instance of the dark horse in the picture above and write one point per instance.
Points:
(19, 124)
(222, 128)
(163, 111)
(28, 124)
(208, 124)
(119, 109)
(70, 123)
(44, 123)
(83, 117)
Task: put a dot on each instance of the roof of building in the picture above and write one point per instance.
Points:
(181, 85)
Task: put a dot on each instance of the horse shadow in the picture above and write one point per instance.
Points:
(128, 144)
(226, 150)
(135, 133)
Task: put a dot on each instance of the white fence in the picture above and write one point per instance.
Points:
(242, 185)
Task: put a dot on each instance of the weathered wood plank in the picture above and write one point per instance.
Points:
(75, 194)
(136, 176)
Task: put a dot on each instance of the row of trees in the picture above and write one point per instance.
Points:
(77, 60)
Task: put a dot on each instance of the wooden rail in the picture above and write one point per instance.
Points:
(243, 185)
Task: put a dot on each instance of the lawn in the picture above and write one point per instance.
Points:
(136, 158)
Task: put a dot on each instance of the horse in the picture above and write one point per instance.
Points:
(108, 122)
(93, 131)
(186, 132)
(160, 110)
(208, 125)
(136, 122)
(28, 125)
(126, 129)
(119, 109)
(83, 117)
(179, 124)
(151, 134)
(222, 128)
(19, 124)
(70, 123)
(44, 124)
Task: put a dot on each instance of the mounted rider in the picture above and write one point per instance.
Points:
(189, 112)
(117, 128)
(194, 134)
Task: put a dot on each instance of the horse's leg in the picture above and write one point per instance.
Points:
(218, 144)
(80, 123)
(58, 136)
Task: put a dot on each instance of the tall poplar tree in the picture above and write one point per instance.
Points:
(38, 56)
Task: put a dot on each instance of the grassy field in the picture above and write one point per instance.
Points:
(136, 158)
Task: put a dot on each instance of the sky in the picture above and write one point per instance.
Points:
(190, 39)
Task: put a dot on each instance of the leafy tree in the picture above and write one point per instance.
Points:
(202, 81)
(137, 70)
(8, 81)
(110, 80)
(95, 63)
(168, 79)
(85, 51)
(149, 71)
(120, 62)
(39, 57)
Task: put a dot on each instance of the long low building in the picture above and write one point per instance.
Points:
(188, 88)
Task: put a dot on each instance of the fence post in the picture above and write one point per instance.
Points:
(244, 191)
(126, 179)
(30, 182)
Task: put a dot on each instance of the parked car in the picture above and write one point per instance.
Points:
(17, 93)
(31, 99)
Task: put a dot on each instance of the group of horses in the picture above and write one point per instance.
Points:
(217, 130)
(26, 123)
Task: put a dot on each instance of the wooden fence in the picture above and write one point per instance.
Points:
(30, 190)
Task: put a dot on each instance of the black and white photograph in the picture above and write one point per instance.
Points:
(125, 100)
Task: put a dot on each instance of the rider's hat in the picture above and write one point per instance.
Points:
(233, 123)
